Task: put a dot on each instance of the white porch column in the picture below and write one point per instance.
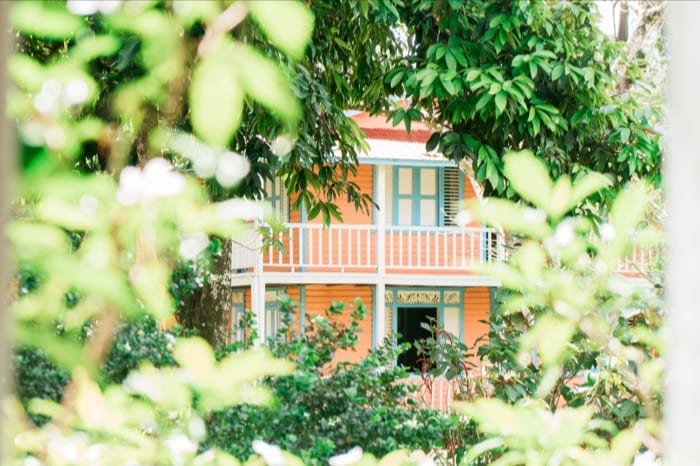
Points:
(379, 302)
(257, 293)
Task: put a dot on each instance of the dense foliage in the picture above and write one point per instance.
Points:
(186, 102)
(327, 405)
(495, 76)
(574, 349)
(320, 409)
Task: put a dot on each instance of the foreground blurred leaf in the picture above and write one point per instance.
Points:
(265, 82)
(288, 24)
(529, 177)
(44, 20)
(216, 98)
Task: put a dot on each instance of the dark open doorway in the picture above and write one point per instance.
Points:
(408, 325)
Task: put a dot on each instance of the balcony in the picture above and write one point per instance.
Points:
(368, 250)
(364, 253)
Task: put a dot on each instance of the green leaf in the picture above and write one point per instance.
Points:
(47, 20)
(624, 135)
(587, 185)
(560, 201)
(288, 24)
(529, 177)
(26, 72)
(432, 142)
(628, 209)
(557, 71)
(450, 61)
(93, 47)
(264, 81)
(505, 214)
(216, 98)
(196, 357)
(473, 74)
(483, 101)
(501, 101)
(396, 79)
(550, 336)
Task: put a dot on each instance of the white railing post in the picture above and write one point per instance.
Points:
(379, 298)
(257, 292)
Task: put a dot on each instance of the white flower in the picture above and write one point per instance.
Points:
(76, 91)
(90, 7)
(463, 218)
(180, 445)
(645, 459)
(242, 209)
(564, 233)
(271, 454)
(171, 340)
(89, 204)
(157, 179)
(607, 232)
(144, 385)
(46, 101)
(228, 167)
(534, 215)
(351, 457)
(282, 145)
(196, 428)
(231, 168)
(421, 459)
(32, 461)
(192, 245)
(160, 180)
(54, 136)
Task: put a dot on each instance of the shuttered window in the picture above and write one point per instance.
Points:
(278, 199)
(420, 196)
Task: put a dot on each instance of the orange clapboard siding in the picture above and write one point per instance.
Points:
(477, 302)
(326, 250)
(319, 298)
(356, 249)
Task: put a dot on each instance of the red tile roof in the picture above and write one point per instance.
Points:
(376, 127)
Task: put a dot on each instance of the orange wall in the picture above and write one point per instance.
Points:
(477, 302)
(319, 297)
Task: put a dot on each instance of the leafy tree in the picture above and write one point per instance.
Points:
(495, 76)
(311, 147)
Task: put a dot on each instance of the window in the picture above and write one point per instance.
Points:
(277, 197)
(237, 328)
(421, 196)
(273, 318)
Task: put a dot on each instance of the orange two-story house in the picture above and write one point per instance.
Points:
(407, 260)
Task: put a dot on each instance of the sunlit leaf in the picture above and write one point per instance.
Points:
(26, 72)
(506, 214)
(216, 98)
(43, 19)
(550, 336)
(586, 185)
(529, 177)
(629, 207)
(288, 24)
(93, 47)
(264, 81)
(196, 357)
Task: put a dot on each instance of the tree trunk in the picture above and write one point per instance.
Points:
(207, 310)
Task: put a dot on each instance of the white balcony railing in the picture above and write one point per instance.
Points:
(359, 248)
(311, 247)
